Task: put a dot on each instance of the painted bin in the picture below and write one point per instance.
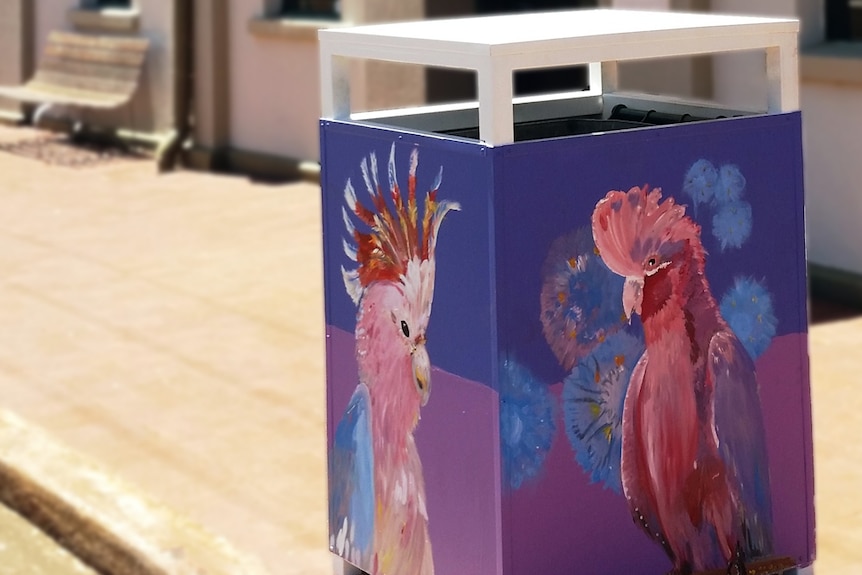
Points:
(562, 338)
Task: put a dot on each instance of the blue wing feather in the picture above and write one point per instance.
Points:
(351, 483)
(742, 441)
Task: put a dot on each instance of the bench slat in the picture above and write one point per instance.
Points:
(115, 43)
(90, 69)
(38, 94)
(89, 83)
(90, 54)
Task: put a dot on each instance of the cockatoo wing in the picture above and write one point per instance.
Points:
(351, 483)
(633, 469)
(741, 438)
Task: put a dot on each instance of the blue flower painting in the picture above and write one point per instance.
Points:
(575, 312)
(747, 308)
(730, 185)
(527, 424)
(722, 189)
(700, 183)
(731, 225)
(593, 396)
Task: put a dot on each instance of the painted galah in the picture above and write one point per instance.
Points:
(378, 514)
(694, 465)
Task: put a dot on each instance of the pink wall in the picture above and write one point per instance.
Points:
(274, 89)
(832, 126)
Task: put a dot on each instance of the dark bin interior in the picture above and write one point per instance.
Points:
(621, 118)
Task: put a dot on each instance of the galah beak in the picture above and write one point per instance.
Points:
(422, 372)
(633, 295)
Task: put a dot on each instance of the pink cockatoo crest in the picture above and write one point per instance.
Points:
(629, 227)
(637, 235)
(395, 248)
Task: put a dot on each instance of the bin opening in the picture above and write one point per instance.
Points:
(622, 117)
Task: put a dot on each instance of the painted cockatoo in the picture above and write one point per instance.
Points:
(378, 514)
(694, 467)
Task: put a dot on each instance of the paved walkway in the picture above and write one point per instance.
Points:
(171, 327)
(24, 545)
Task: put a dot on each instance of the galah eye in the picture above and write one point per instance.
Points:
(405, 329)
(653, 264)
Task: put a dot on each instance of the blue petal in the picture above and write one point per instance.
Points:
(747, 308)
(700, 182)
(575, 313)
(731, 226)
(731, 185)
(593, 397)
(527, 425)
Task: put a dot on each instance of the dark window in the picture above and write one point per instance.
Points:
(508, 6)
(114, 3)
(844, 20)
(328, 9)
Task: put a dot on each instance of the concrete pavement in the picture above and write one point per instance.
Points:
(171, 327)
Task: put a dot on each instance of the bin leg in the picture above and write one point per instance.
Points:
(342, 567)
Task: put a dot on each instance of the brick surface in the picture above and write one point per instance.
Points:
(172, 327)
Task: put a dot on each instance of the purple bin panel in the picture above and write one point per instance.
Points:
(703, 242)
(412, 417)
(510, 328)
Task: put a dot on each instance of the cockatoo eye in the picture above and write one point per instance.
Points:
(405, 329)
(654, 264)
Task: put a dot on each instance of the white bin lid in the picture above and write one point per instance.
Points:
(496, 46)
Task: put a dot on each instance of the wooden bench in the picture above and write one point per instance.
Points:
(83, 71)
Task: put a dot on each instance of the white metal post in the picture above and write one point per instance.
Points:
(334, 85)
(782, 75)
(496, 118)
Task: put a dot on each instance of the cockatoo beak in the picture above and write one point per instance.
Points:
(422, 372)
(633, 295)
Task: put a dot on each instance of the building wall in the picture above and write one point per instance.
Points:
(833, 180)
(832, 123)
(152, 108)
(382, 85)
(687, 77)
(157, 24)
(15, 40)
(274, 87)
(51, 15)
(832, 132)
(274, 74)
(739, 80)
(210, 89)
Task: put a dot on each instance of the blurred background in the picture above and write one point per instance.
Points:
(170, 327)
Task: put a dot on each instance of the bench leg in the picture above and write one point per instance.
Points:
(77, 129)
(40, 112)
(43, 109)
